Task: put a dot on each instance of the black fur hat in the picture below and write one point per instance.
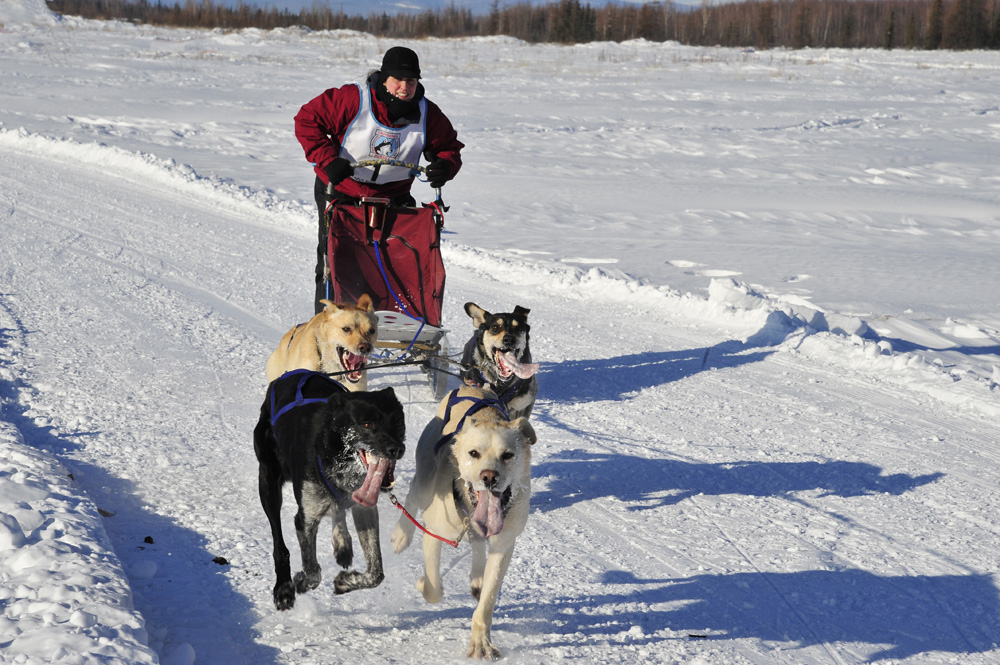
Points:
(401, 63)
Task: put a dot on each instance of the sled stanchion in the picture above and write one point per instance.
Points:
(385, 277)
(392, 253)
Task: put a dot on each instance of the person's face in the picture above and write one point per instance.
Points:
(403, 89)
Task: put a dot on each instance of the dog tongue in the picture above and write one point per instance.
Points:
(368, 494)
(488, 518)
(354, 361)
(523, 371)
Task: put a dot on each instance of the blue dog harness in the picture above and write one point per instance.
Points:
(479, 403)
(300, 400)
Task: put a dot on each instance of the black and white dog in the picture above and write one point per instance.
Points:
(498, 358)
(339, 450)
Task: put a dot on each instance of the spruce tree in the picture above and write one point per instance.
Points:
(935, 26)
(965, 26)
(847, 31)
(890, 32)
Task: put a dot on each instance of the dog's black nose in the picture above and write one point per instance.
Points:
(489, 477)
(394, 450)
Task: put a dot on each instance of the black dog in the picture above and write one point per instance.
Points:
(338, 449)
(498, 358)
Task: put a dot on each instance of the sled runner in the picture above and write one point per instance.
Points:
(393, 254)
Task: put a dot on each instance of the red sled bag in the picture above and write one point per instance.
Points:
(391, 253)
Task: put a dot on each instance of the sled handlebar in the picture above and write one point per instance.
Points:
(415, 170)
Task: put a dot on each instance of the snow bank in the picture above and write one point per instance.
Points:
(15, 12)
(64, 593)
(165, 173)
(767, 320)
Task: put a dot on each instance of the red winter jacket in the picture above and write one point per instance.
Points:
(320, 126)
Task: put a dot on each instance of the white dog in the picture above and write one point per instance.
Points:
(473, 477)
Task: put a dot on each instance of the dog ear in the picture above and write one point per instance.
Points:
(477, 313)
(390, 396)
(525, 429)
(336, 400)
(521, 310)
(394, 408)
(329, 305)
(365, 303)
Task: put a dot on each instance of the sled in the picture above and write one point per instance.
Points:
(393, 254)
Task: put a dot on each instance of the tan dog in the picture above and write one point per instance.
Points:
(473, 473)
(336, 341)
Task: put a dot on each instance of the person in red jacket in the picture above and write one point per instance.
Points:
(388, 116)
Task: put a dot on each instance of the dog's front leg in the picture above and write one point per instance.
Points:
(480, 645)
(478, 566)
(343, 550)
(430, 584)
(306, 528)
(402, 535)
(366, 524)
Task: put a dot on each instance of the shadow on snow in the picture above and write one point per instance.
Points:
(572, 476)
(612, 378)
(898, 616)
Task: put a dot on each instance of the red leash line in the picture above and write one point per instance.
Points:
(392, 499)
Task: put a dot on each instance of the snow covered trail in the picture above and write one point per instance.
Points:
(697, 498)
(136, 370)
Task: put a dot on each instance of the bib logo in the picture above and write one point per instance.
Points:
(384, 144)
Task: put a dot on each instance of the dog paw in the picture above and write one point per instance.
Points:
(431, 595)
(284, 596)
(480, 647)
(402, 537)
(305, 582)
(349, 580)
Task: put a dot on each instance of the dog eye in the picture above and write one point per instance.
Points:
(368, 425)
(507, 456)
(474, 454)
(496, 328)
(346, 329)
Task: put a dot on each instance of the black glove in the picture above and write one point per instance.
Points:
(438, 172)
(338, 170)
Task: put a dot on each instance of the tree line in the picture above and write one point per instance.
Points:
(912, 24)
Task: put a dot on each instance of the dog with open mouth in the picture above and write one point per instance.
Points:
(498, 358)
(472, 478)
(338, 449)
(336, 341)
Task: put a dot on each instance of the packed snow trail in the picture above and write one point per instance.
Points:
(695, 497)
